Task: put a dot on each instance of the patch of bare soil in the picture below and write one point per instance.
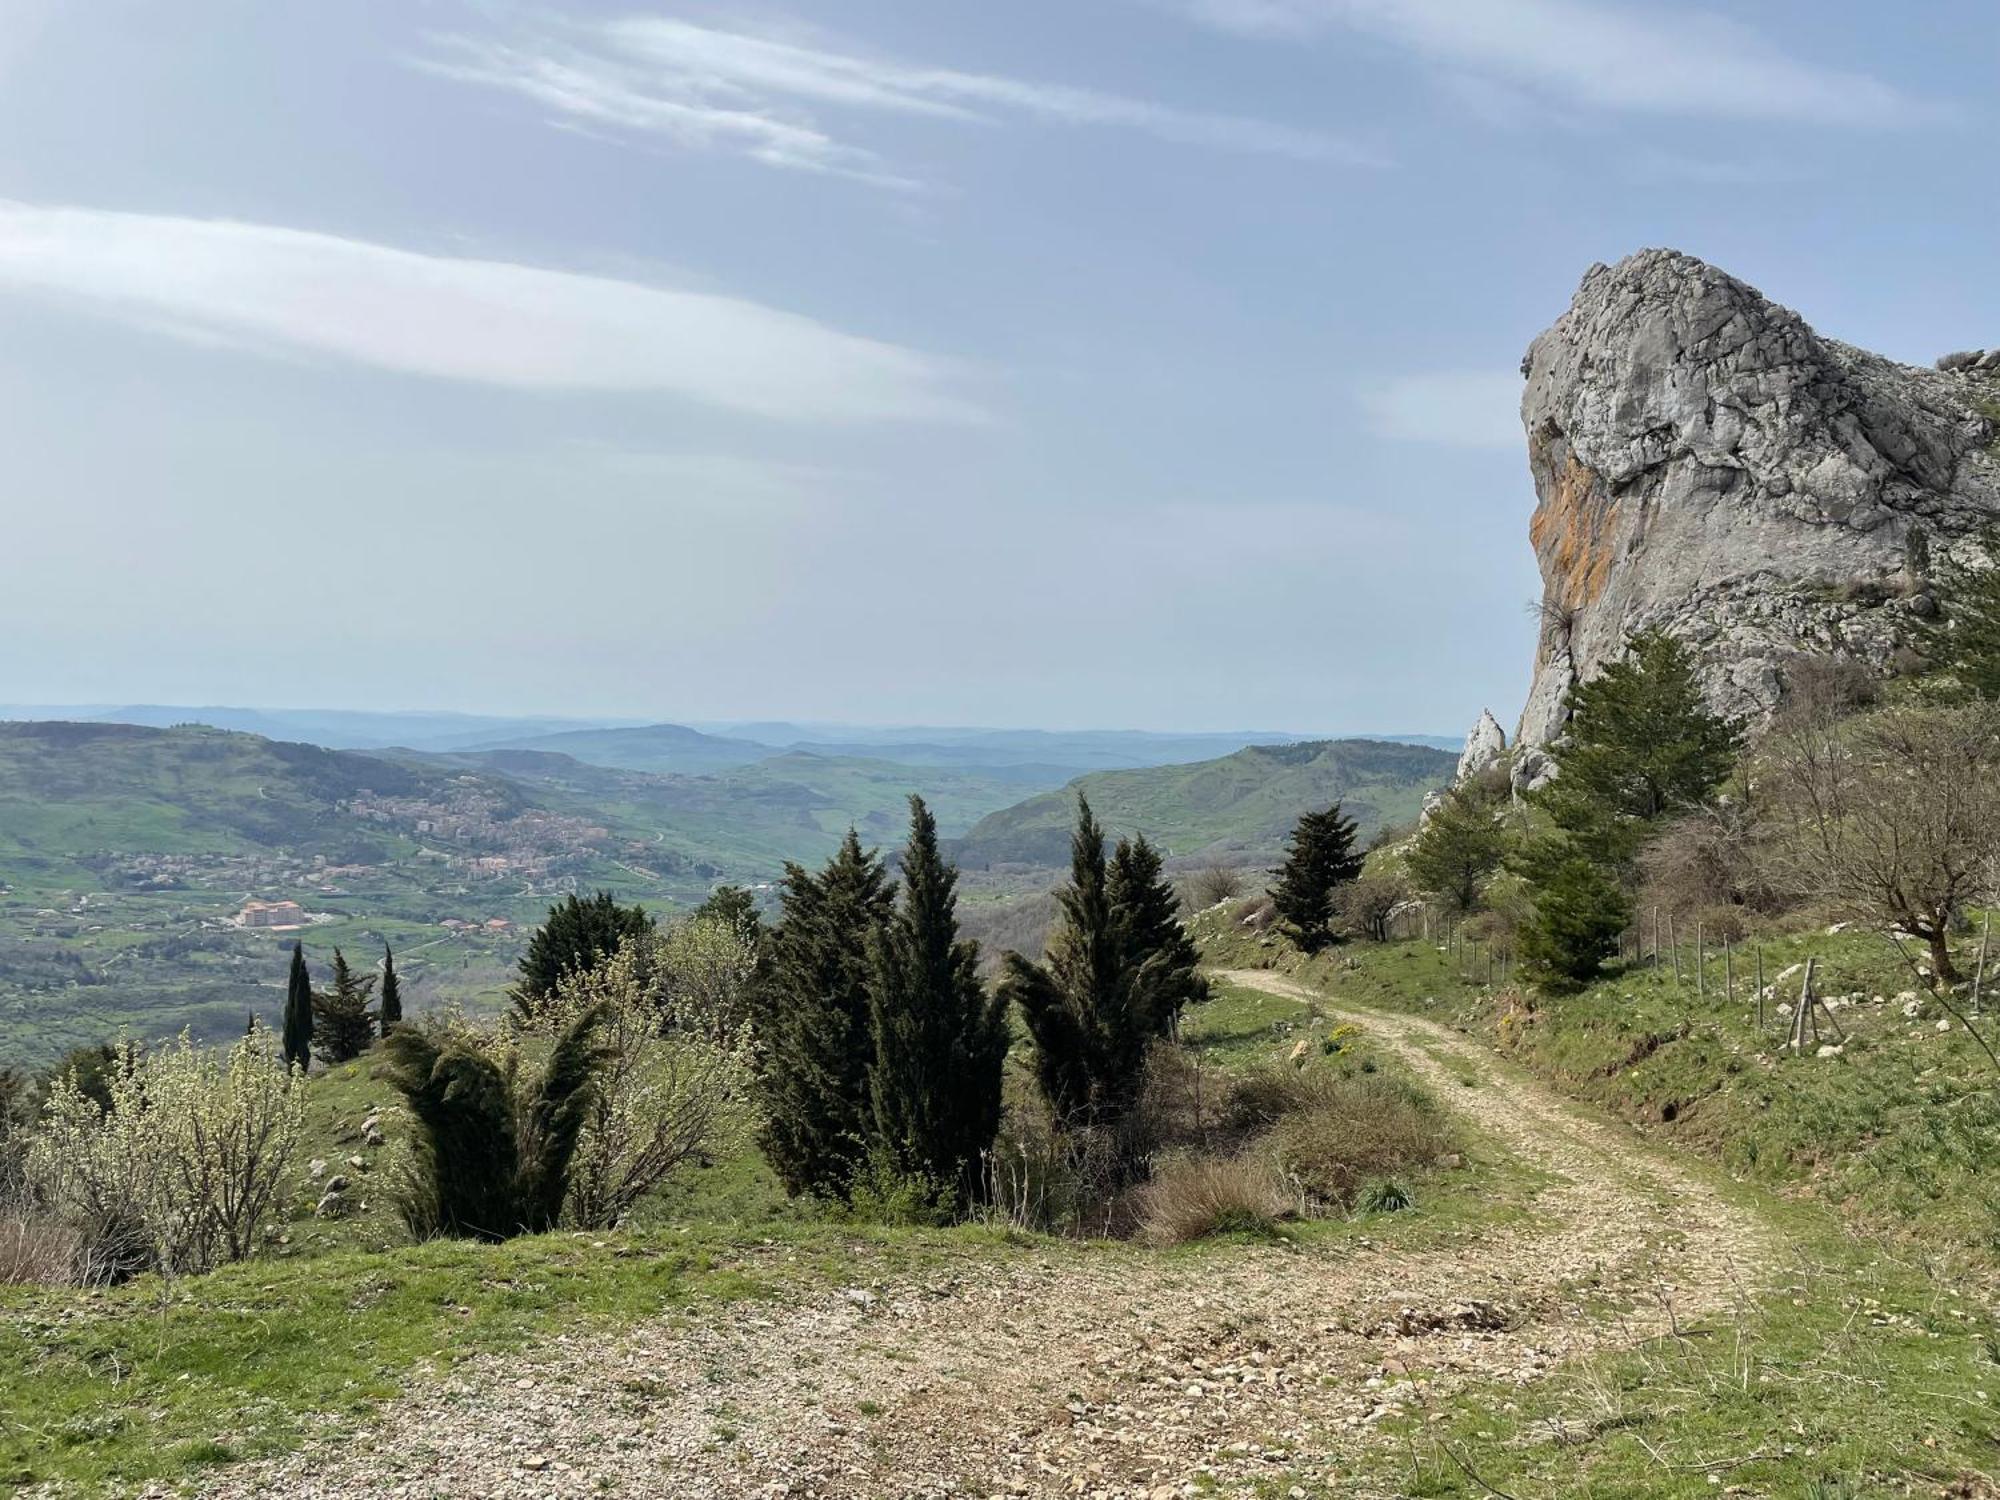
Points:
(1089, 1371)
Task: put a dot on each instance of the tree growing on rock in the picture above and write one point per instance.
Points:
(940, 1038)
(1320, 856)
(1964, 641)
(1641, 742)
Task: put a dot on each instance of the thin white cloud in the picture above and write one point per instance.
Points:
(288, 292)
(1450, 408)
(704, 88)
(1612, 55)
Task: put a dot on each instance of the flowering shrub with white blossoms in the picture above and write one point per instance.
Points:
(675, 1084)
(185, 1165)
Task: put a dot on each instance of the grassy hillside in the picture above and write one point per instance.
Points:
(1239, 807)
(1893, 1126)
(126, 854)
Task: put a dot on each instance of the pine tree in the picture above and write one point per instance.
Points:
(1320, 855)
(298, 1031)
(343, 1025)
(1119, 969)
(813, 1021)
(940, 1039)
(392, 993)
(578, 936)
(1640, 743)
(1458, 846)
(1580, 909)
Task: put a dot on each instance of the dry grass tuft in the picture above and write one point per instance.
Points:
(1358, 1130)
(1201, 1196)
(36, 1250)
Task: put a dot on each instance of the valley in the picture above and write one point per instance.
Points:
(129, 854)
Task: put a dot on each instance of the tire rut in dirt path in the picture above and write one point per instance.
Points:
(1103, 1371)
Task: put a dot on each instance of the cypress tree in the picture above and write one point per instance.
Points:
(1150, 917)
(1320, 855)
(343, 1025)
(578, 936)
(812, 997)
(392, 993)
(298, 1032)
(940, 1038)
(1119, 969)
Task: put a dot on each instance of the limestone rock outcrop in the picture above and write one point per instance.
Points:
(1483, 747)
(1707, 464)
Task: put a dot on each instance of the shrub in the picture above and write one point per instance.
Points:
(185, 1164)
(493, 1153)
(1347, 1131)
(675, 1080)
(1387, 1197)
(36, 1248)
(1199, 1197)
(1214, 884)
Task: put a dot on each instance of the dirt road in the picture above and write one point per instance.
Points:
(1104, 1371)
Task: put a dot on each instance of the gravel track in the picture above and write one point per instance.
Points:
(1096, 1371)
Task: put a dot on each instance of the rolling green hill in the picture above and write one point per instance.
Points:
(128, 854)
(1238, 808)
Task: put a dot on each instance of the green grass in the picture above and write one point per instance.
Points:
(1868, 1367)
(1240, 806)
(1896, 1131)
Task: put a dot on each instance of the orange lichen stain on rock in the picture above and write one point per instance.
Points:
(1571, 530)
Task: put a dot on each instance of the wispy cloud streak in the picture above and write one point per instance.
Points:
(1613, 56)
(279, 291)
(765, 98)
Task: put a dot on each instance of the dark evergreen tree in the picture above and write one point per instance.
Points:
(940, 1038)
(1457, 847)
(89, 1068)
(736, 908)
(1118, 970)
(1319, 856)
(1579, 911)
(578, 936)
(1965, 640)
(392, 993)
(298, 1031)
(343, 1025)
(494, 1153)
(1149, 914)
(813, 1021)
(1641, 742)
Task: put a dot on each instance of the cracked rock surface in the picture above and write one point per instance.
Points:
(1705, 463)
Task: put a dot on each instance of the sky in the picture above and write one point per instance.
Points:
(1063, 363)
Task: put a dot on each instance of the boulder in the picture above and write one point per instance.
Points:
(1708, 465)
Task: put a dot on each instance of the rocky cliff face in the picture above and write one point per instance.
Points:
(1707, 464)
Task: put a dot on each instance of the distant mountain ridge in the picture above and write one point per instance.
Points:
(1237, 808)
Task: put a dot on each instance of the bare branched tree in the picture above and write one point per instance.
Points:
(1892, 817)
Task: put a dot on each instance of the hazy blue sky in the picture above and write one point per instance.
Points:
(1065, 362)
